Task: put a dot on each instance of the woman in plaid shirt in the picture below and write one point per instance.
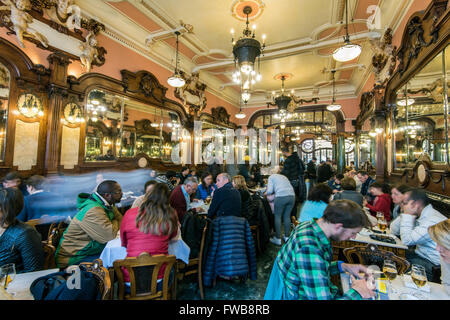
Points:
(304, 266)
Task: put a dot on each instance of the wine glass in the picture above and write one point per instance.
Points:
(380, 215)
(419, 277)
(7, 275)
(390, 271)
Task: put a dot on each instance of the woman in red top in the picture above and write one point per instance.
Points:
(150, 227)
(382, 202)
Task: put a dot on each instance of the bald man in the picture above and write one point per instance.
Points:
(96, 223)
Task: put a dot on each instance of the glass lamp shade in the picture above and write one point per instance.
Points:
(245, 96)
(154, 124)
(334, 107)
(403, 102)
(347, 52)
(176, 81)
(240, 115)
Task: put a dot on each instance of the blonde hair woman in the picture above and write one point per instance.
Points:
(240, 184)
(440, 233)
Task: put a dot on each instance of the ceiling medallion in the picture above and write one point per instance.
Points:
(237, 9)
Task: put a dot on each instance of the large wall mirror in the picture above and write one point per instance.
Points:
(118, 127)
(419, 119)
(5, 80)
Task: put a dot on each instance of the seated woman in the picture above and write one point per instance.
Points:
(318, 200)
(19, 243)
(440, 233)
(240, 184)
(397, 195)
(148, 187)
(150, 227)
(382, 201)
(206, 187)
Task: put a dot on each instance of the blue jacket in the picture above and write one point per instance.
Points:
(225, 202)
(43, 203)
(232, 251)
(202, 193)
(365, 186)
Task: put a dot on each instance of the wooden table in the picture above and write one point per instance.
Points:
(21, 284)
(399, 248)
(402, 292)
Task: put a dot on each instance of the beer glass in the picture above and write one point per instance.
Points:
(7, 274)
(390, 271)
(382, 224)
(418, 275)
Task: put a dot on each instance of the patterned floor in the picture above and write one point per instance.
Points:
(187, 289)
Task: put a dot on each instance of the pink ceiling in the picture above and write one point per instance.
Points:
(134, 14)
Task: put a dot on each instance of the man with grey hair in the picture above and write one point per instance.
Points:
(226, 199)
(180, 198)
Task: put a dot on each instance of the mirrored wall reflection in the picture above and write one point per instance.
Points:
(118, 127)
(419, 119)
(365, 150)
(320, 148)
(5, 80)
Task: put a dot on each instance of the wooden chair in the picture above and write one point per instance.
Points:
(49, 253)
(33, 222)
(143, 272)
(101, 274)
(255, 232)
(195, 262)
(55, 233)
(372, 255)
(294, 221)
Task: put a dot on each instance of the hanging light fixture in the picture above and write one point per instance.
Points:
(348, 51)
(405, 102)
(241, 115)
(246, 50)
(155, 124)
(176, 80)
(333, 106)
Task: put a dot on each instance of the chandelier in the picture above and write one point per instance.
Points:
(176, 80)
(348, 51)
(245, 52)
(333, 106)
(95, 106)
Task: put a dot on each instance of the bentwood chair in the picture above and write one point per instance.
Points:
(101, 274)
(294, 221)
(372, 255)
(49, 254)
(143, 271)
(185, 270)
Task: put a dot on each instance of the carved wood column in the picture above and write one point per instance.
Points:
(57, 92)
(379, 122)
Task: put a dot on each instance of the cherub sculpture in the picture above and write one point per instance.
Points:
(66, 12)
(384, 59)
(89, 53)
(21, 19)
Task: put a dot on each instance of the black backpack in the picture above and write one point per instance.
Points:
(54, 287)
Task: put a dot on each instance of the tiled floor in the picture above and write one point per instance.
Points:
(187, 289)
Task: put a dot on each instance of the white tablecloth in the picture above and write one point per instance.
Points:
(114, 251)
(20, 286)
(400, 291)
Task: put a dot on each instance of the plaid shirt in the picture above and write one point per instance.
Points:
(306, 267)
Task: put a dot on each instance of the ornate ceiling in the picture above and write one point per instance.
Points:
(301, 35)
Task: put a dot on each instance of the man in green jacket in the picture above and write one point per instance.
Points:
(96, 223)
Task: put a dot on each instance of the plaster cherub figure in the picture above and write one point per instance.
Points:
(384, 58)
(20, 20)
(66, 12)
(89, 53)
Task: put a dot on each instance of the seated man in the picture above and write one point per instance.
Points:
(226, 200)
(304, 264)
(335, 184)
(41, 204)
(412, 226)
(96, 223)
(366, 181)
(180, 198)
(13, 180)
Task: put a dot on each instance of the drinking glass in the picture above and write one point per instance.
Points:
(380, 215)
(7, 274)
(390, 271)
(419, 277)
(382, 224)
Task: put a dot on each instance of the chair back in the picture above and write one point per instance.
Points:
(33, 222)
(372, 255)
(143, 272)
(102, 276)
(55, 233)
(49, 254)
(294, 221)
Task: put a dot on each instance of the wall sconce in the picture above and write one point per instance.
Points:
(30, 106)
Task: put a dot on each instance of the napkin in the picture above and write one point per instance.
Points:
(410, 284)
